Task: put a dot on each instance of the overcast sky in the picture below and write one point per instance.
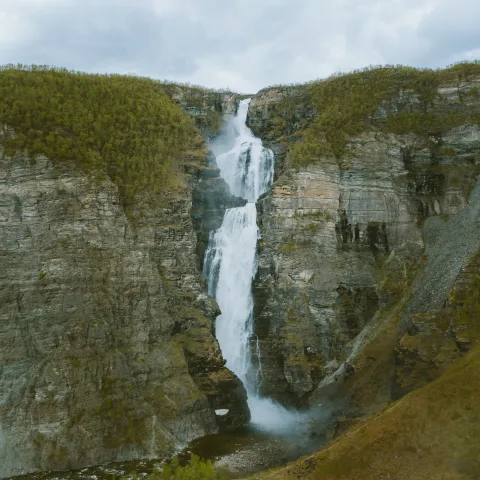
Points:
(242, 44)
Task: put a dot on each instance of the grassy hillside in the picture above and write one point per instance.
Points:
(126, 127)
(319, 117)
(432, 433)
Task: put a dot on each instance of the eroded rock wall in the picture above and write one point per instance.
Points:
(106, 344)
(342, 238)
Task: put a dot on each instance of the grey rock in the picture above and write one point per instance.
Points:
(106, 344)
(340, 239)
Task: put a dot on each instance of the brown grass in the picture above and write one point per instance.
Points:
(432, 433)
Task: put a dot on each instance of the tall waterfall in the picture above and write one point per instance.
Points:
(231, 262)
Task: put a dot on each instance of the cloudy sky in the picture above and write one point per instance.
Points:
(241, 44)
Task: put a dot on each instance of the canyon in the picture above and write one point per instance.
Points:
(364, 266)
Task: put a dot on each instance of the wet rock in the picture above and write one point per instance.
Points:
(211, 197)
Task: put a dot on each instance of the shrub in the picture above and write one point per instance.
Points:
(195, 469)
(124, 126)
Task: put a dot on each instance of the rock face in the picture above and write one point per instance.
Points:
(342, 238)
(211, 194)
(278, 112)
(207, 107)
(106, 344)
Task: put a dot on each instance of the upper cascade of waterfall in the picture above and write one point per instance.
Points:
(245, 164)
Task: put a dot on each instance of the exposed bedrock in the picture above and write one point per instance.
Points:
(343, 238)
(107, 350)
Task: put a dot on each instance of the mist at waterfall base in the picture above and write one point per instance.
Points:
(231, 263)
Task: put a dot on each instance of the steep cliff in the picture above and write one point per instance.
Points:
(365, 161)
(432, 432)
(211, 195)
(207, 107)
(106, 344)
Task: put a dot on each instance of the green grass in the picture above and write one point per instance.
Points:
(122, 126)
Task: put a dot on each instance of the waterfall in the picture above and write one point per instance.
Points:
(247, 166)
(231, 262)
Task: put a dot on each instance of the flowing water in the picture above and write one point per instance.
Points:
(231, 262)
(276, 435)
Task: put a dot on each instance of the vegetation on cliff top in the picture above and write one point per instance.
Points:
(126, 127)
(322, 115)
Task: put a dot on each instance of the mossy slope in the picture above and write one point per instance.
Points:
(126, 127)
(432, 433)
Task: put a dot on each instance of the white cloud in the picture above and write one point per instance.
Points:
(15, 28)
(244, 44)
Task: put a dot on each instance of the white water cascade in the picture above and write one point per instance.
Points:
(231, 262)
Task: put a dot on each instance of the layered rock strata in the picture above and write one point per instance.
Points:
(342, 238)
(106, 344)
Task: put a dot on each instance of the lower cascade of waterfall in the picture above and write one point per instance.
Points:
(231, 262)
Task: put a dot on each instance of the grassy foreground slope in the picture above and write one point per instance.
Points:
(431, 434)
(126, 127)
